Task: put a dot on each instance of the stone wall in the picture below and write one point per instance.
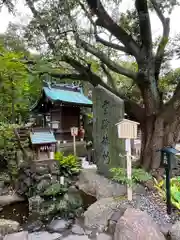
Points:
(108, 109)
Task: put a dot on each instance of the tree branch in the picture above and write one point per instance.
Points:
(73, 76)
(111, 45)
(145, 25)
(164, 40)
(158, 11)
(99, 39)
(110, 78)
(105, 21)
(111, 64)
(43, 27)
(172, 106)
(131, 108)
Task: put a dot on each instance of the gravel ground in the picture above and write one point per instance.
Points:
(154, 206)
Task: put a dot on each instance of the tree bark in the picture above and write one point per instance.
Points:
(156, 134)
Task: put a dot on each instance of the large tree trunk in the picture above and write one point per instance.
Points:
(156, 135)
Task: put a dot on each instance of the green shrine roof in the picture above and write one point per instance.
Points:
(42, 137)
(62, 93)
(67, 94)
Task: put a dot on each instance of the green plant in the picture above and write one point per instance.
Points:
(175, 190)
(68, 165)
(55, 190)
(138, 175)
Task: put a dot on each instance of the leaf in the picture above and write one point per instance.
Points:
(55, 189)
(62, 205)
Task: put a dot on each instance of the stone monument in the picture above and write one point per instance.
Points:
(108, 109)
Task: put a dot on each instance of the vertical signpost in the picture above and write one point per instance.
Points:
(167, 159)
(128, 130)
(74, 133)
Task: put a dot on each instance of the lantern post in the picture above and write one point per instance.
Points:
(128, 130)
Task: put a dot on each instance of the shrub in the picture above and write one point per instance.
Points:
(139, 175)
(55, 190)
(175, 190)
(68, 165)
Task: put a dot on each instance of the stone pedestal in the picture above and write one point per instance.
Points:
(108, 109)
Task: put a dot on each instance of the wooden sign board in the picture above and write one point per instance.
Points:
(127, 129)
(55, 124)
(74, 131)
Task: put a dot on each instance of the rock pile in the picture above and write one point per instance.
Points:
(130, 224)
(46, 195)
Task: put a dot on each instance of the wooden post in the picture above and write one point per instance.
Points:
(74, 133)
(168, 184)
(129, 168)
(74, 144)
(128, 130)
(51, 154)
(62, 180)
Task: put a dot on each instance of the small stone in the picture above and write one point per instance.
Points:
(103, 236)
(1, 184)
(117, 214)
(88, 232)
(114, 219)
(175, 231)
(76, 237)
(76, 229)
(17, 236)
(93, 233)
(5, 177)
(56, 236)
(44, 236)
(54, 179)
(73, 189)
(8, 226)
(41, 170)
(27, 181)
(165, 229)
(58, 225)
(45, 176)
(34, 203)
(42, 185)
(27, 172)
(34, 226)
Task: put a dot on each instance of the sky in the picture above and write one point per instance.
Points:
(24, 15)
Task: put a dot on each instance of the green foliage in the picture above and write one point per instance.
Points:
(19, 86)
(55, 190)
(7, 143)
(74, 203)
(14, 85)
(8, 148)
(5, 177)
(138, 175)
(67, 206)
(175, 190)
(68, 165)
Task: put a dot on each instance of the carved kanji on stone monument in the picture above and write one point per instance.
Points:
(107, 111)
